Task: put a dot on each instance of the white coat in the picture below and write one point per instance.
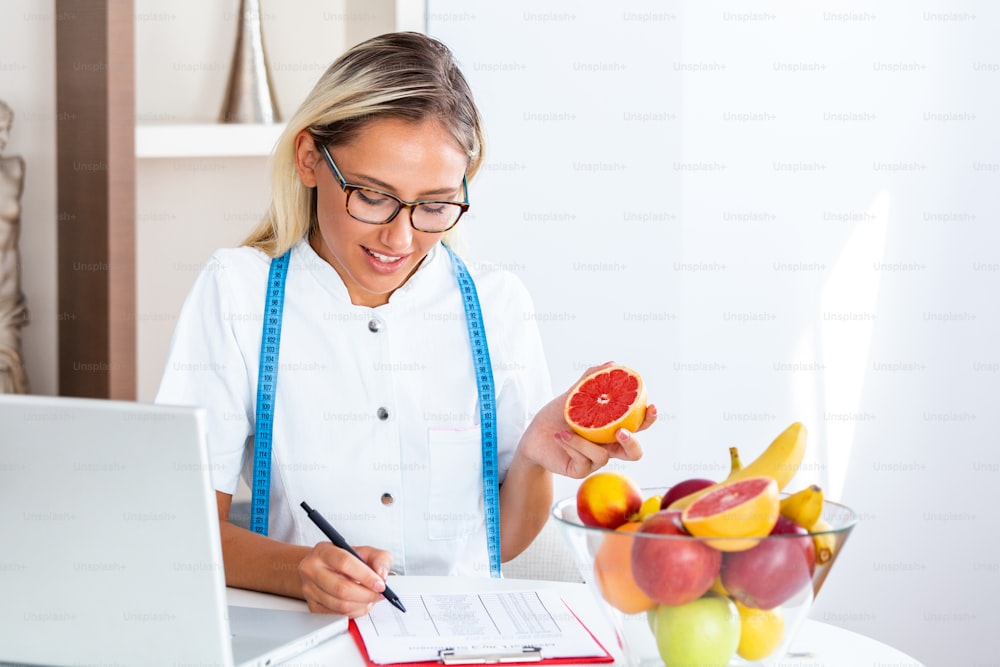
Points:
(376, 420)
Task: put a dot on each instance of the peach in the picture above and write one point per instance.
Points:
(607, 500)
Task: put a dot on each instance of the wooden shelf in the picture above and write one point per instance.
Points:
(205, 140)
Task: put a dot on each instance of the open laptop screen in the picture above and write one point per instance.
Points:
(111, 549)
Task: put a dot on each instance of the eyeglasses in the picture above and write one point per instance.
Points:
(377, 207)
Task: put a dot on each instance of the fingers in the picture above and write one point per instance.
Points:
(583, 456)
(630, 449)
(333, 580)
(379, 561)
(573, 455)
(627, 445)
(313, 596)
(650, 419)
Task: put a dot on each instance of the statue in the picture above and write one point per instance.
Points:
(13, 312)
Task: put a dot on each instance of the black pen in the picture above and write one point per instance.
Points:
(338, 540)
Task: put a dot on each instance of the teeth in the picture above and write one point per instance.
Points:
(382, 258)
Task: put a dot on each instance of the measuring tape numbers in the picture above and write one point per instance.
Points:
(267, 386)
(487, 409)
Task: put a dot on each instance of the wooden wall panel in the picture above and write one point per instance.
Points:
(95, 97)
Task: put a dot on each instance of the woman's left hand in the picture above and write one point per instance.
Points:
(550, 443)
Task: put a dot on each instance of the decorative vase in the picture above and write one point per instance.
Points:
(249, 94)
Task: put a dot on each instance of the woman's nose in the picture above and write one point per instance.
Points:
(398, 233)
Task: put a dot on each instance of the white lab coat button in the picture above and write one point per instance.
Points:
(382, 414)
(374, 325)
(387, 499)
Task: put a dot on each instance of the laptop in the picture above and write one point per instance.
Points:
(109, 543)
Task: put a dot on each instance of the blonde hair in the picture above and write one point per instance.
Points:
(403, 75)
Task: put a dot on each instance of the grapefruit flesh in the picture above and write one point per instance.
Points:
(748, 508)
(604, 401)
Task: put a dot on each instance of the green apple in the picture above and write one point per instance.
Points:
(704, 632)
(651, 619)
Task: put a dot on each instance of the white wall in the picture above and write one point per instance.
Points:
(776, 212)
(27, 84)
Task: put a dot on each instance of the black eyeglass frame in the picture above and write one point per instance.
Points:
(349, 188)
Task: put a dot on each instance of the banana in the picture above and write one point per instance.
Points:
(780, 461)
(782, 457)
(825, 543)
(803, 507)
(735, 465)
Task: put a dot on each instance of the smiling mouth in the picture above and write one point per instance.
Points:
(384, 259)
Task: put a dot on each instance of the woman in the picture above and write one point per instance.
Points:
(378, 415)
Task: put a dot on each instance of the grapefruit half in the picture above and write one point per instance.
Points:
(604, 401)
(747, 508)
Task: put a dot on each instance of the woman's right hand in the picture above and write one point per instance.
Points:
(334, 581)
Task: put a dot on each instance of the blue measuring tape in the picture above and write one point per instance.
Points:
(487, 409)
(267, 385)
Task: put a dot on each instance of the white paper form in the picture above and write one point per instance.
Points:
(486, 623)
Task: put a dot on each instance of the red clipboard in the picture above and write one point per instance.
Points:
(352, 628)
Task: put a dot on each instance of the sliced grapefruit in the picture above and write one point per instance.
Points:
(604, 401)
(747, 508)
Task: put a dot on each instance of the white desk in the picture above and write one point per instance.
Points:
(817, 644)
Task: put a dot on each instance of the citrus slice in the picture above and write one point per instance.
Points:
(604, 401)
(747, 508)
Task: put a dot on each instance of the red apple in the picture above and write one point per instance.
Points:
(682, 489)
(607, 500)
(786, 526)
(676, 568)
(774, 571)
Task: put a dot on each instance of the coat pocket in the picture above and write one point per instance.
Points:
(455, 502)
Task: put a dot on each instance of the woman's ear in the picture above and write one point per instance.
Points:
(306, 158)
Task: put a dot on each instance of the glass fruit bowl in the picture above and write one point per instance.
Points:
(680, 601)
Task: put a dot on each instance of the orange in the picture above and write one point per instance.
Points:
(613, 572)
(747, 508)
(610, 398)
